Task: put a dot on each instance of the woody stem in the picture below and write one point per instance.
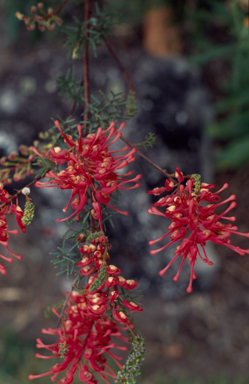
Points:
(121, 67)
(60, 7)
(166, 174)
(19, 192)
(86, 65)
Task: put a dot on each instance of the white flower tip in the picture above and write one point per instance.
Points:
(25, 191)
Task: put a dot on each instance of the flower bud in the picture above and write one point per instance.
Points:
(33, 9)
(19, 15)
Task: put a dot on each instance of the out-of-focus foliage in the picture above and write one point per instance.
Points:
(221, 33)
(13, 25)
(216, 30)
(132, 11)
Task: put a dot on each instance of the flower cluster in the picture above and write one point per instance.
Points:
(90, 321)
(8, 208)
(91, 169)
(20, 166)
(191, 207)
(94, 262)
(84, 337)
(45, 20)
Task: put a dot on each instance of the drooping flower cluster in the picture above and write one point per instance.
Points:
(45, 20)
(184, 206)
(90, 321)
(94, 262)
(91, 169)
(17, 166)
(7, 209)
(84, 337)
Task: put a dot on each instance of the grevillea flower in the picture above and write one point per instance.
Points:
(85, 337)
(90, 169)
(191, 208)
(82, 340)
(105, 280)
(4, 231)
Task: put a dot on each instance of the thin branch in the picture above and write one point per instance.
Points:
(67, 298)
(58, 10)
(166, 174)
(74, 104)
(19, 192)
(72, 108)
(121, 67)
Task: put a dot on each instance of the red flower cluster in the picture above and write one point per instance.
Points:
(91, 169)
(84, 337)
(86, 331)
(106, 281)
(7, 209)
(184, 207)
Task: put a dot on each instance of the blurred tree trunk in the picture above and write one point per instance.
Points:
(161, 34)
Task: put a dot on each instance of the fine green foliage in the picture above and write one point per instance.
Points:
(99, 26)
(70, 87)
(149, 140)
(103, 109)
(44, 165)
(68, 255)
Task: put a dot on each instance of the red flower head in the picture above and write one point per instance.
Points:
(91, 320)
(91, 169)
(84, 337)
(184, 206)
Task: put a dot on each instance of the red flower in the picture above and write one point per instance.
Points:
(121, 317)
(184, 207)
(87, 331)
(91, 169)
(84, 336)
(132, 306)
